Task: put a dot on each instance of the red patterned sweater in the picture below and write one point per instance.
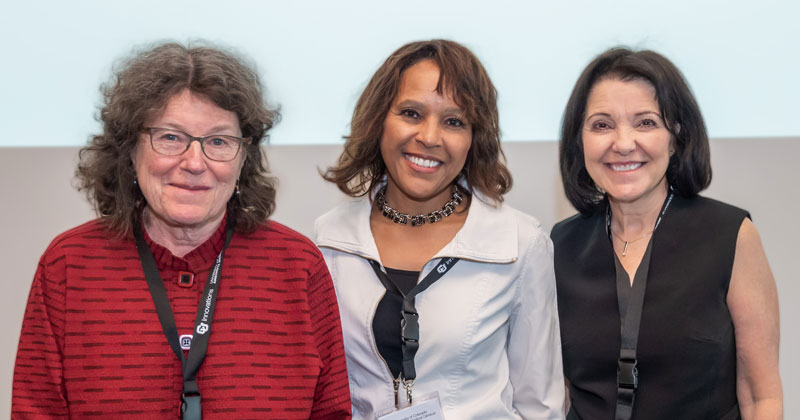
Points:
(92, 346)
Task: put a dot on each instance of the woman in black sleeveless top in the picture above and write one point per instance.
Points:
(667, 305)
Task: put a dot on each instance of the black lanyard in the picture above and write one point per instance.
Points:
(190, 398)
(630, 300)
(409, 325)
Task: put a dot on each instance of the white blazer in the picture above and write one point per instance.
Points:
(489, 333)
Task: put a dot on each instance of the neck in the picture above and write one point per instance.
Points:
(632, 219)
(405, 204)
(179, 240)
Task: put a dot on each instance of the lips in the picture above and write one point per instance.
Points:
(422, 162)
(625, 166)
(191, 187)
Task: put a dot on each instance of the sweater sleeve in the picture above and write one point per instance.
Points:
(38, 390)
(332, 394)
(534, 345)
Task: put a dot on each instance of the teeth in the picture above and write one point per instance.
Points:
(628, 167)
(423, 162)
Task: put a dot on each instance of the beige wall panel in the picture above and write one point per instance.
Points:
(39, 201)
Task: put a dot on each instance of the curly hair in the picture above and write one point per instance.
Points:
(139, 91)
(689, 169)
(360, 167)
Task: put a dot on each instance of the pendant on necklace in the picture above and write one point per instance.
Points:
(625, 249)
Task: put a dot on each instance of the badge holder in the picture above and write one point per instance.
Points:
(427, 407)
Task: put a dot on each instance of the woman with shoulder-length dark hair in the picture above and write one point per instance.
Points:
(446, 294)
(182, 293)
(667, 304)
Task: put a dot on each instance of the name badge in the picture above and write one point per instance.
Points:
(427, 407)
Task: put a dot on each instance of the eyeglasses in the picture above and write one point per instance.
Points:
(171, 142)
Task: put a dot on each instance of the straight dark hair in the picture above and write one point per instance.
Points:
(689, 170)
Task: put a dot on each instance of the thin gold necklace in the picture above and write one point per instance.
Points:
(625, 248)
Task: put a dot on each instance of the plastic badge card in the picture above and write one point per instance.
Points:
(426, 407)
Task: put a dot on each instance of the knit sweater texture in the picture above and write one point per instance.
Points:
(92, 346)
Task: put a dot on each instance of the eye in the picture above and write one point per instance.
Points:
(218, 141)
(409, 113)
(601, 126)
(455, 122)
(648, 123)
(168, 136)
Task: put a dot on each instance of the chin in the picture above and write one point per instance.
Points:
(427, 195)
(631, 195)
(188, 217)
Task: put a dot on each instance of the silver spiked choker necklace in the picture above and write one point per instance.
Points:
(404, 218)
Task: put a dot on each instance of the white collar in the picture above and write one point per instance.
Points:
(489, 233)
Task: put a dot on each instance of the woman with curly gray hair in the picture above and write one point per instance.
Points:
(120, 314)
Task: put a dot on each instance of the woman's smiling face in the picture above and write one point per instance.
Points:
(626, 144)
(425, 142)
(188, 190)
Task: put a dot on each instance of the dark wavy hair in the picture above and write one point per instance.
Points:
(689, 169)
(139, 91)
(360, 167)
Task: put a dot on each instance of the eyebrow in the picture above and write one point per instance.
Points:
(417, 104)
(213, 131)
(638, 114)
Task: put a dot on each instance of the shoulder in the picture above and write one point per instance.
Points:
(501, 214)
(341, 218)
(346, 228)
(748, 238)
(92, 234)
(88, 232)
(74, 246)
(531, 235)
(577, 225)
(709, 221)
(526, 223)
(282, 252)
(280, 237)
(343, 210)
(713, 208)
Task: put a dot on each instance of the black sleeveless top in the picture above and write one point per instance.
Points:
(686, 350)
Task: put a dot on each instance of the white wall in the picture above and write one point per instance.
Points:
(741, 57)
(759, 175)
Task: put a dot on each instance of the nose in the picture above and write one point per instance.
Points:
(625, 141)
(429, 134)
(194, 160)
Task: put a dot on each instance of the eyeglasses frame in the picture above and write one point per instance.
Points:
(239, 140)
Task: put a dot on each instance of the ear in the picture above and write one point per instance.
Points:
(677, 128)
(135, 153)
(244, 158)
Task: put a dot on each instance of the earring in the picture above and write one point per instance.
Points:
(236, 190)
(135, 181)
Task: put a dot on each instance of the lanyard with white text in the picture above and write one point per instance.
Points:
(190, 398)
(409, 325)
